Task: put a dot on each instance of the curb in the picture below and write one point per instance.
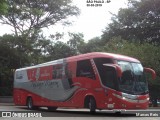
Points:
(7, 104)
(6, 99)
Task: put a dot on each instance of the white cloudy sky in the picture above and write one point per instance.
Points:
(90, 22)
(93, 20)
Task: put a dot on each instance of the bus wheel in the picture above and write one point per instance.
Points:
(30, 103)
(92, 105)
(52, 108)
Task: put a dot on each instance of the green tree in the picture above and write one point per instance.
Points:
(76, 41)
(92, 45)
(8, 63)
(3, 7)
(14, 48)
(27, 17)
(59, 50)
(29, 52)
(139, 22)
(16, 52)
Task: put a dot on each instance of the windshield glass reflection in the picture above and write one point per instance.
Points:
(133, 80)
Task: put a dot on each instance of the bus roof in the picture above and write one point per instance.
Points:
(103, 54)
(85, 56)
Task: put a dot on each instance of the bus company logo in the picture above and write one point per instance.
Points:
(6, 114)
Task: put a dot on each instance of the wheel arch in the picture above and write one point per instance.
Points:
(28, 98)
(87, 98)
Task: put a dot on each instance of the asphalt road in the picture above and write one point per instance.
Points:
(75, 114)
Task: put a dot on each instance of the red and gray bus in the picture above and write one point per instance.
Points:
(93, 80)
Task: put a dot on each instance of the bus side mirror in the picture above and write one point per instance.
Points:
(116, 67)
(149, 70)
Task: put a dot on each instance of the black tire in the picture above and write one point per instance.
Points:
(52, 108)
(30, 104)
(92, 105)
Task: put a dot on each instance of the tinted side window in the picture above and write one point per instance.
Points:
(84, 69)
(109, 77)
(57, 71)
(107, 74)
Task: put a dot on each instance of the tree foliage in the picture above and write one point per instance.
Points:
(139, 22)
(59, 50)
(76, 41)
(3, 7)
(27, 17)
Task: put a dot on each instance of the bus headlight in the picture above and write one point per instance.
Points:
(123, 98)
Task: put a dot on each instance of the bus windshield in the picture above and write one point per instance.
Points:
(133, 80)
